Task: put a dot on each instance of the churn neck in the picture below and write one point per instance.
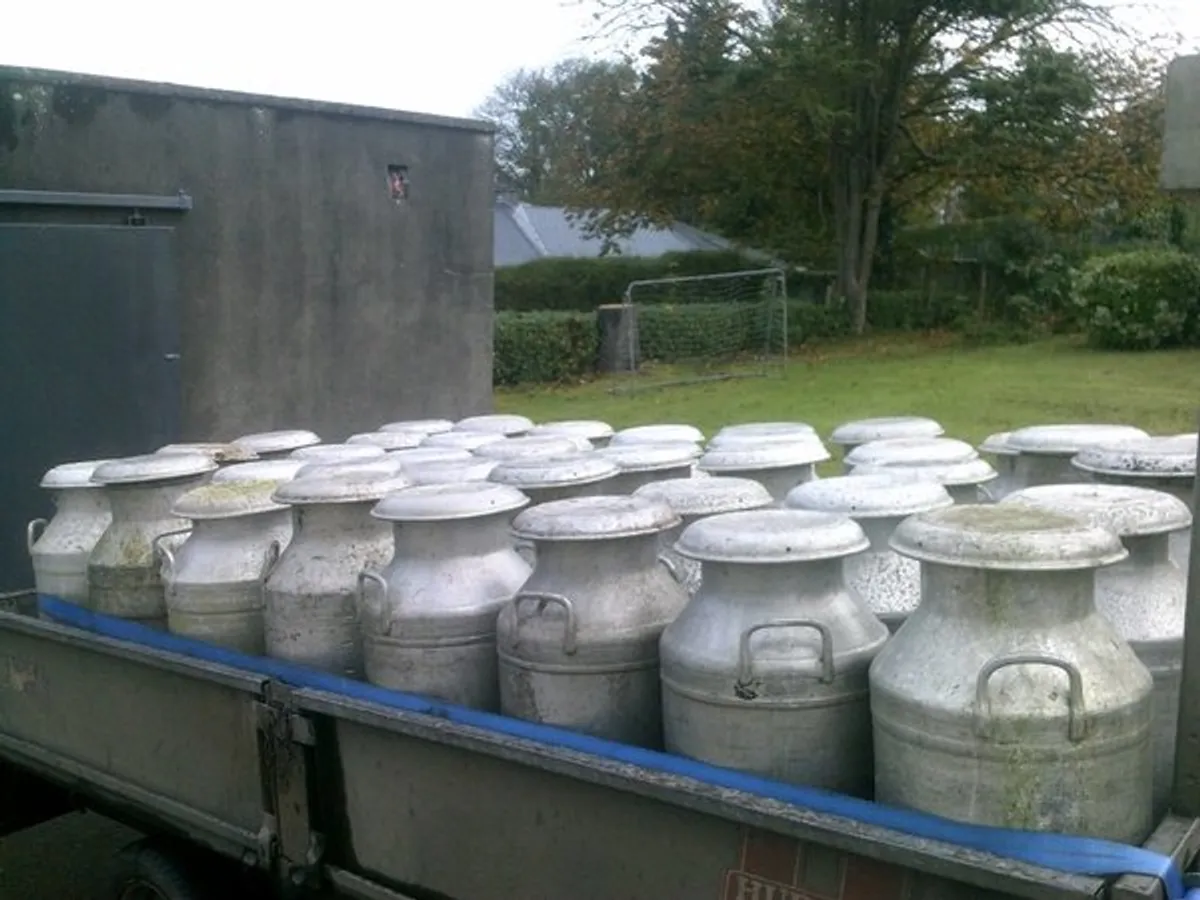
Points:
(150, 501)
(602, 556)
(80, 501)
(796, 580)
(336, 521)
(449, 538)
(1021, 599)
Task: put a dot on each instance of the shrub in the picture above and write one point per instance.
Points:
(693, 331)
(543, 346)
(915, 310)
(1140, 300)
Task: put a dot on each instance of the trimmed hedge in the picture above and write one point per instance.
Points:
(543, 347)
(1141, 300)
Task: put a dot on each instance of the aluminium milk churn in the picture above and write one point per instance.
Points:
(890, 584)
(657, 434)
(496, 423)
(449, 471)
(461, 440)
(765, 432)
(428, 619)
(643, 463)
(214, 581)
(1007, 699)
(388, 440)
(1044, 452)
(278, 470)
(425, 454)
(544, 447)
(221, 454)
(277, 444)
(330, 453)
(597, 432)
(692, 499)
(419, 426)
(1004, 461)
(1143, 596)
(965, 482)
(1159, 463)
(124, 570)
(778, 466)
(59, 549)
(310, 612)
(849, 435)
(578, 643)
(765, 670)
(938, 451)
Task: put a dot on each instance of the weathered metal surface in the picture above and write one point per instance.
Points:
(428, 619)
(59, 549)
(966, 482)
(1143, 596)
(764, 431)
(1004, 461)
(422, 426)
(1185, 797)
(578, 643)
(310, 613)
(449, 471)
(214, 581)
(890, 584)
(388, 440)
(426, 454)
(1007, 699)
(850, 435)
(124, 573)
(765, 670)
(461, 440)
(530, 447)
(910, 451)
(657, 434)
(274, 444)
(1044, 452)
(277, 470)
(597, 432)
(330, 453)
(496, 423)
(546, 480)
(777, 465)
(219, 452)
(644, 463)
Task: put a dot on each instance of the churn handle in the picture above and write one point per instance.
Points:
(746, 659)
(1077, 716)
(570, 636)
(162, 552)
(669, 565)
(379, 581)
(33, 531)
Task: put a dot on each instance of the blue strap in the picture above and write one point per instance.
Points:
(1063, 853)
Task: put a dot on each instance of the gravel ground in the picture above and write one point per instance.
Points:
(68, 858)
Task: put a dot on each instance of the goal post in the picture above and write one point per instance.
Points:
(704, 327)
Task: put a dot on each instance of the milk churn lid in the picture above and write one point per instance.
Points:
(72, 475)
(420, 455)
(914, 451)
(594, 518)
(1125, 511)
(454, 471)
(564, 471)
(337, 452)
(461, 440)
(961, 474)
(770, 455)
(772, 536)
(379, 465)
(219, 452)
(651, 457)
(388, 440)
(876, 496)
(544, 447)
(447, 502)
(657, 434)
(691, 497)
(769, 430)
(1151, 457)
(860, 431)
(277, 441)
(1067, 440)
(508, 425)
(277, 470)
(339, 488)
(997, 444)
(419, 426)
(1007, 537)
(228, 500)
(592, 429)
(153, 467)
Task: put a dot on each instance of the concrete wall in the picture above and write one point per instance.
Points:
(309, 297)
(1181, 137)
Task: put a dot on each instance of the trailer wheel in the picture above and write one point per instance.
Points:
(150, 869)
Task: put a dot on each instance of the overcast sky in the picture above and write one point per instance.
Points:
(436, 56)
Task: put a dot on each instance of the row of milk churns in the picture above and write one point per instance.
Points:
(996, 642)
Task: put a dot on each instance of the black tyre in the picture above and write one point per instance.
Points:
(153, 869)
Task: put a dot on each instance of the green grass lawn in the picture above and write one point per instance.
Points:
(972, 391)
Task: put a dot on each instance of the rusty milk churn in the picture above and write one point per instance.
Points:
(1007, 699)
(966, 482)
(214, 581)
(276, 444)
(1044, 452)
(657, 434)
(419, 426)
(462, 440)
(644, 463)
(693, 499)
(428, 619)
(1143, 596)
(777, 465)
(310, 612)
(388, 440)
(849, 435)
(124, 571)
(496, 423)
(765, 670)
(59, 549)
(440, 471)
(890, 584)
(1160, 463)
(578, 643)
(597, 432)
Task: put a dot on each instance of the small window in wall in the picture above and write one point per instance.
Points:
(398, 182)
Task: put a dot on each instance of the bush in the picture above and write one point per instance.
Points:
(916, 310)
(543, 346)
(583, 284)
(1140, 300)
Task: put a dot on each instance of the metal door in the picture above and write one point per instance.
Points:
(89, 335)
